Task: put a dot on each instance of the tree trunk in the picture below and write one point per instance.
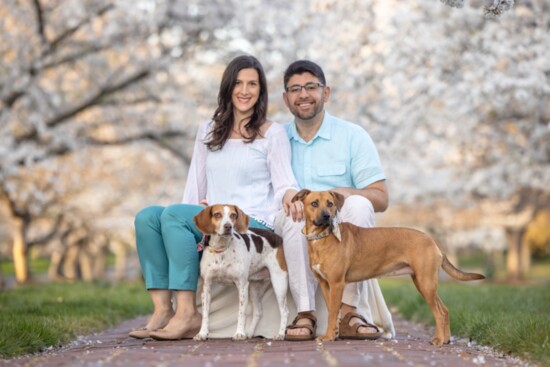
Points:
(56, 259)
(100, 259)
(2, 280)
(121, 254)
(525, 255)
(70, 262)
(85, 262)
(515, 267)
(20, 251)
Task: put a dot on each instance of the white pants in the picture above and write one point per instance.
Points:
(365, 295)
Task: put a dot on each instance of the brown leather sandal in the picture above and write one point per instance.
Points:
(312, 328)
(352, 332)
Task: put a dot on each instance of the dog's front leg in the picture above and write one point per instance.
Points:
(242, 285)
(335, 293)
(205, 297)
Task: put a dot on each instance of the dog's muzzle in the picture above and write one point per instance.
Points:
(227, 229)
(323, 219)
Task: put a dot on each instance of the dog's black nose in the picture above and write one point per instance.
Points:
(325, 215)
(227, 227)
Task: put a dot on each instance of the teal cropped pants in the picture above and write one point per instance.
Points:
(166, 240)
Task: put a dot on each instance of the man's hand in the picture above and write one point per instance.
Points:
(295, 209)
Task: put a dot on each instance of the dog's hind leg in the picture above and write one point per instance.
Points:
(242, 286)
(279, 281)
(256, 291)
(428, 290)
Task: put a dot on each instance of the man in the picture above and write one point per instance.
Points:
(330, 154)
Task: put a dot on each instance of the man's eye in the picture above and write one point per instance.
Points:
(311, 87)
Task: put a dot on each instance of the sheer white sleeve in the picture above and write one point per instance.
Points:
(279, 162)
(195, 187)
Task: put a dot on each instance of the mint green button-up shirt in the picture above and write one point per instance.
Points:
(341, 154)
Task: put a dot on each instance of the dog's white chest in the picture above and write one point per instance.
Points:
(317, 269)
(222, 267)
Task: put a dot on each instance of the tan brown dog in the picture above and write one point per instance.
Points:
(365, 253)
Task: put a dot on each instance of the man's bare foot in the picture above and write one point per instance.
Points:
(354, 320)
(303, 327)
(362, 329)
(301, 331)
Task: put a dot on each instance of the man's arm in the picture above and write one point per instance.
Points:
(376, 192)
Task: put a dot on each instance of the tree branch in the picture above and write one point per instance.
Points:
(49, 236)
(40, 21)
(70, 31)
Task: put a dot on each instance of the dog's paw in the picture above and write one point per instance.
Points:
(326, 338)
(249, 334)
(437, 342)
(200, 337)
(239, 336)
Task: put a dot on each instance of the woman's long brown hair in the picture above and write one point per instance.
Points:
(223, 116)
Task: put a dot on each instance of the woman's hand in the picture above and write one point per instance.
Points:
(203, 202)
(295, 209)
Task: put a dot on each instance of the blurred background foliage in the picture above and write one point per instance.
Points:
(100, 101)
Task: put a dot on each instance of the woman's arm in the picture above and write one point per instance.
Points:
(279, 161)
(195, 187)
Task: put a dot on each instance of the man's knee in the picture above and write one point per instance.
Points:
(285, 226)
(358, 210)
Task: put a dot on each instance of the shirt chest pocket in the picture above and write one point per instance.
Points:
(333, 175)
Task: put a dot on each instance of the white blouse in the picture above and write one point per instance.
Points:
(253, 176)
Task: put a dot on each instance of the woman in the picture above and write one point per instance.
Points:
(239, 158)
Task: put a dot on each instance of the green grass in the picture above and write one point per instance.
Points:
(35, 317)
(512, 319)
(36, 266)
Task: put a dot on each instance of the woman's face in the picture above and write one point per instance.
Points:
(246, 91)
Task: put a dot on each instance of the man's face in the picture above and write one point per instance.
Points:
(308, 102)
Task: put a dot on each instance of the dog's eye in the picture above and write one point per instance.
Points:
(330, 205)
(217, 215)
(315, 204)
(233, 216)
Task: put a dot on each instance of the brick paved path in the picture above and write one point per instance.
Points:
(410, 348)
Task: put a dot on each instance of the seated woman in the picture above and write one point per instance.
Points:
(239, 158)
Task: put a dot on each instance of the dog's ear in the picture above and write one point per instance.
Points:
(301, 195)
(241, 225)
(203, 221)
(338, 199)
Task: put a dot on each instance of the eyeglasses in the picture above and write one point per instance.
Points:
(309, 87)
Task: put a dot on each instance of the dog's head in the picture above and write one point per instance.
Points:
(221, 220)
(320, 207)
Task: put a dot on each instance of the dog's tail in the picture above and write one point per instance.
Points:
(457, 273)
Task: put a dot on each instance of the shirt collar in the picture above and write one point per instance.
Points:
(323, 132)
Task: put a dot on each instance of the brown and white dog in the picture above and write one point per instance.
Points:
(345, 253)
(236, 254)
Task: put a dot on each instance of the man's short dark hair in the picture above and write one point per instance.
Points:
(304, 66)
